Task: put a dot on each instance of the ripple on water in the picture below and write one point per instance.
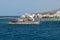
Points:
(46, 30)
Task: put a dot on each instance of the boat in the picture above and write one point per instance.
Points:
(23, 22)
(26, 20)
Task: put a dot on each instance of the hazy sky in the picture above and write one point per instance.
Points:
(18, 7)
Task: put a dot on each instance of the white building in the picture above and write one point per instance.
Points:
(57, 13)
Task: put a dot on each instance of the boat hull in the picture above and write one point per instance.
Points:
(24, 23)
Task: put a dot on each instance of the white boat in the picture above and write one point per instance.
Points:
(26, 19)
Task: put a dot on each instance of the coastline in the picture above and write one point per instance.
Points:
(50, 19)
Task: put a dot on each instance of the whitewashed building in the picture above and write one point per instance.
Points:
(57, 13)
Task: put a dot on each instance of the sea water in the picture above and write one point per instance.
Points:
(46, 30)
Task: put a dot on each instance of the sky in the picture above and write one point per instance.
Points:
(20, 7)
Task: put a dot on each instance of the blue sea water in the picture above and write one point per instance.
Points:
(46, 30)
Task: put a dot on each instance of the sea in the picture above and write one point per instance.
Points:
(46, 30)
